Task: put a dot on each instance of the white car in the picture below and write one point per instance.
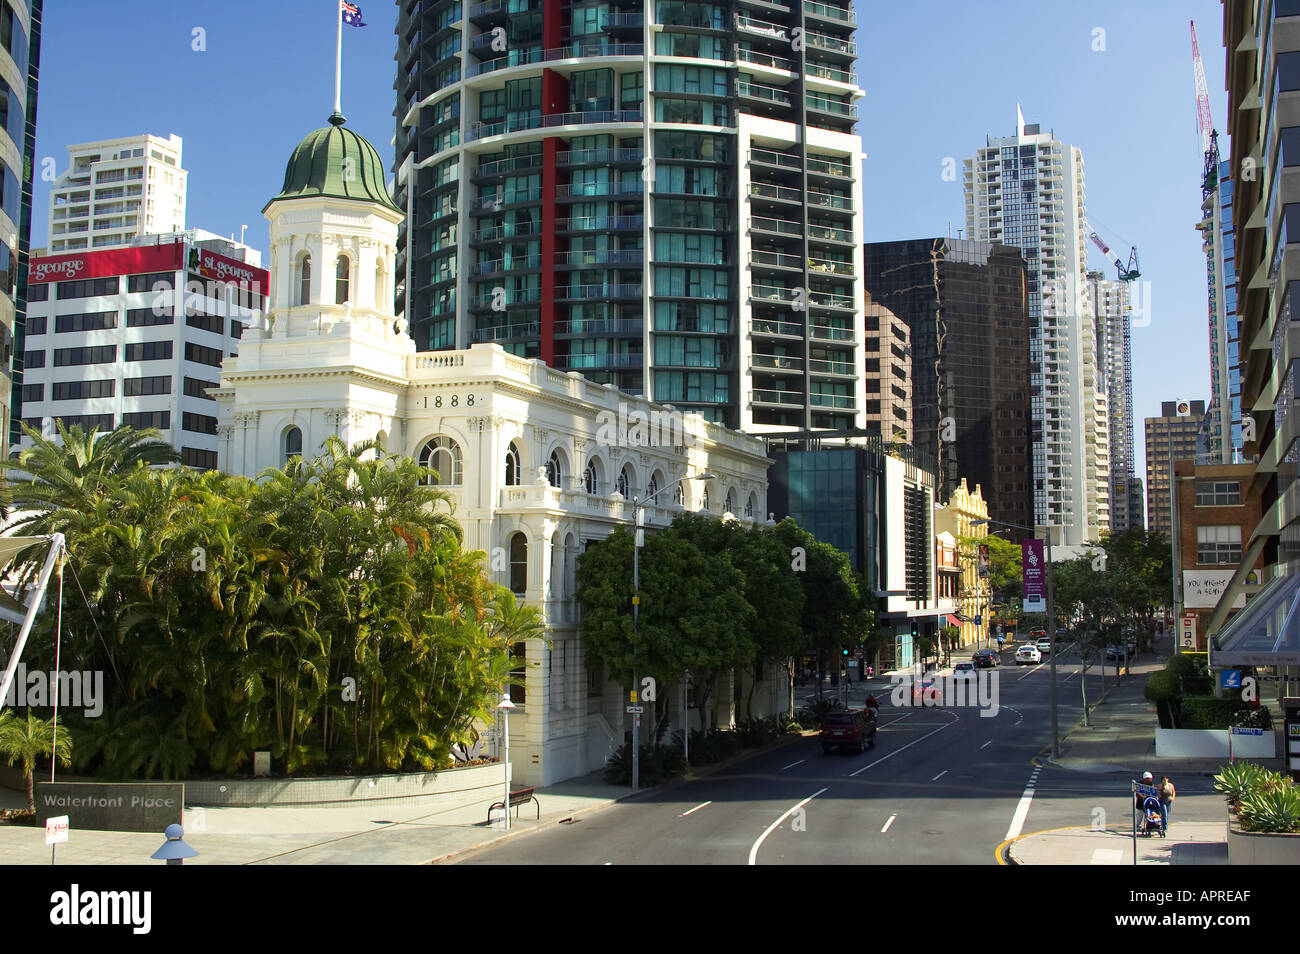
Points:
(964, 671)
(1028, 654)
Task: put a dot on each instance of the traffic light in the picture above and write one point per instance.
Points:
(844, 651)
(915, 629)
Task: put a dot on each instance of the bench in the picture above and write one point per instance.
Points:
(521, 797)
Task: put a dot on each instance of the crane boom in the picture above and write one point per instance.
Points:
(1204, 122)
(1127, 273)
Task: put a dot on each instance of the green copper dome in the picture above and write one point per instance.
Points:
(338, 163)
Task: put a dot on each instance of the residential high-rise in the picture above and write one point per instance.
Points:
(116, 189)
(665, 197)
(1110, 307)
(889, 374)
(1171, 437)
(966, 309)
(1027, 190)
(20, 58)
(1218, 240)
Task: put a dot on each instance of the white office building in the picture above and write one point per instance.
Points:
(1027, 190)
(137, 336)
(115, 190)
(1110, 303)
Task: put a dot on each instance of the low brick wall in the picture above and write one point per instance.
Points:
(1261, 848)
(451, 788)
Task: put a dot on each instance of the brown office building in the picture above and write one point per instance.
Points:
(889, 374)
(1170, 437)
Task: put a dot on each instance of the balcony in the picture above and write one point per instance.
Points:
(827, 72)
(773, 158)
(607, 256)
(831, 267)
(516, 263)
(624, 24)
(765, 59)
(841, 402)
(578, 190)
(605, 223)
(776, 259)
(506, 198)
(832, 43)
(501, 167)
(529, 329)
(601, 326)
(522, 296)
(782, 226)
(589, 292)
(764, 190)
(822, 366)
(778, 398)
(773, 95)
(829, 12)
(827, 167)
(829, 233)
(782, 329)
(826, 200)
(832, 106)
(577, 50)
(775, 362)
(590, 362)
(830, 333)
(596, 157)
(762, 27)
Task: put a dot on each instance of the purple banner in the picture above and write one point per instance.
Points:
(1032, 571)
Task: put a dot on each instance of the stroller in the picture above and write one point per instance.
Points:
(1152, 823)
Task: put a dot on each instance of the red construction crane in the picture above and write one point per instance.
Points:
(1204, 122)
(1126, 273)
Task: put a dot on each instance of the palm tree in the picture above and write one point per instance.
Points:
(26, 741)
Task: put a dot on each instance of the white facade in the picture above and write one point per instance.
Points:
(531, 456)
(1110, 301)
(140, 346)
(116, 189)
(1027, 190)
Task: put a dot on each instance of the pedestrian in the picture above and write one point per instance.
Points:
(1167, 795)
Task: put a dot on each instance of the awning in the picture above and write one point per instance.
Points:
(953, 620)
(1266, 632)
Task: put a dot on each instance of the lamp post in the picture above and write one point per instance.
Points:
(1051, 624)
(638, 518)
(504, 707)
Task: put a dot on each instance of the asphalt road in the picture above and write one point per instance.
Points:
(943, 785)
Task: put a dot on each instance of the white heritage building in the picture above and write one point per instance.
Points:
(538, 462)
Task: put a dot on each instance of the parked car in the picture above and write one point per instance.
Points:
(984, 659)
(964, 671)
(1115, 653)
(1028, 653)
(854, 729)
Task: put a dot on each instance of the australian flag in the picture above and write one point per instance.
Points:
(351, 13)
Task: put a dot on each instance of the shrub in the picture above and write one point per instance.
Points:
(1161, 687)
(658, 764)
(1276, 808)
(1208, 712)
(1236, 779)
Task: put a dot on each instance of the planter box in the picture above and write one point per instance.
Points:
(1261, 848)
(450, 789)
(1213, 744)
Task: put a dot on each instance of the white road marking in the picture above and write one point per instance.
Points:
(1022, 809)
(1107, 856)
(939, 776)
(790, 766)
(888, 823)
(697, 808)
(753, 852)
(987, 744)
(902, 748)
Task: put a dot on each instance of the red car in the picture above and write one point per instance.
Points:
(855, 729)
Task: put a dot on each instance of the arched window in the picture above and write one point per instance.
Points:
(726, 504)
(591, 477)
(292, 445)
(652, 488)
(304, 281)
(624, 484)
(555, 470)
(441, 455)
(513, 473)
(342, 270)
(705, 508)
(749, 507)
(679, 495)
(518, 564)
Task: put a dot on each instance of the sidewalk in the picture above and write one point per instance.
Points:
(379, 834)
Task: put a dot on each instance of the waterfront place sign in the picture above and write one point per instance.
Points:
(113, 806)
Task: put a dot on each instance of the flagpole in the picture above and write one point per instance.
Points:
(338, 62)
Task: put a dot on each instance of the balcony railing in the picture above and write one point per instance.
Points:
(829, 300)
(777, 225)
(754, 25)
(587, 292)
(830, 233)
(576, 157)
(579, 49)
(830, 12)
(822, 71)
(775, 362)
(612, 223)
(766, 326)
(829, 105)
(483, 130)
(598, 189)
(498, 232)
(847, 47)
(845, 402)
(772, 94)
(600, 326)
(505, 166)
(578, 362)
(769, 191)
(827, 167)
(774, 158)
(785, 398)
(780, 259)
(521, 296)
(831, 333)
(516, 263)
(606, 256)
(772, 293)
(526, 330)
(830, 266)
(765, 59)
(507, 198)
(822, 366)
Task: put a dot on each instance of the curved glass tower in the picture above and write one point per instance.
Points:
(663, 196)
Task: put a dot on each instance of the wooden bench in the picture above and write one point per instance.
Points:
(521, 797)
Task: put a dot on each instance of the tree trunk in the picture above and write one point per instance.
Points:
(29, 777)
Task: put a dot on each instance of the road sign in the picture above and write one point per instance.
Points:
(1245, 730)
(1230, 679)
(1187, 631)
(636, 710)
(979, 619)
(56, 830)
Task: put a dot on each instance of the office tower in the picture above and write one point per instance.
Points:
(889, 374)
(1218, 240)
(1027, 190)
(137, 336)
(1171, 437)
(665, 197)
(1110, 307)
(965, 304)
(116, 189)
(20, 56)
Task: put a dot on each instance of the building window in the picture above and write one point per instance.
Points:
(139, 387)
(342, 268)
(441, 455)
(513, 475)
(83, 390)
(518, 564)
(679, 496)
(101, 354)
(624, 484)
(292, 445)
(652, 488)
(149, 351)
(197, 388)
(591, 477)
(555, 470)
(749, 507)
(1218, 545)
(202, 459)
(518, 687)
(202, 355)
(142, 420)
(198, 423)
(304, 280)
(1218, 493)
(726, 504)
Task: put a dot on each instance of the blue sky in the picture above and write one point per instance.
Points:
(940, 76)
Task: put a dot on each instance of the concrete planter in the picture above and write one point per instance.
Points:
(450, 788)
(1213, 744)
(1260, 848)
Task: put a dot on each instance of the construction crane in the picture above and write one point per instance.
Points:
(1126, 274)
(1205, 123)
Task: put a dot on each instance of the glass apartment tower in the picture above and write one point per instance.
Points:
(1027, 190)
(664, 197)
(1219, 242)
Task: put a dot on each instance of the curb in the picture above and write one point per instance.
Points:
(630, 796)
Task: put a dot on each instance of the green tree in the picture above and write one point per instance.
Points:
(24, 741)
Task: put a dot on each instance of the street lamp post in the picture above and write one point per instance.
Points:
(1051, 625)
(505, 705)
(638, 518)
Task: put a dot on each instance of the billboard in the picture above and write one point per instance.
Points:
(1203, 588)
(1033, 576)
